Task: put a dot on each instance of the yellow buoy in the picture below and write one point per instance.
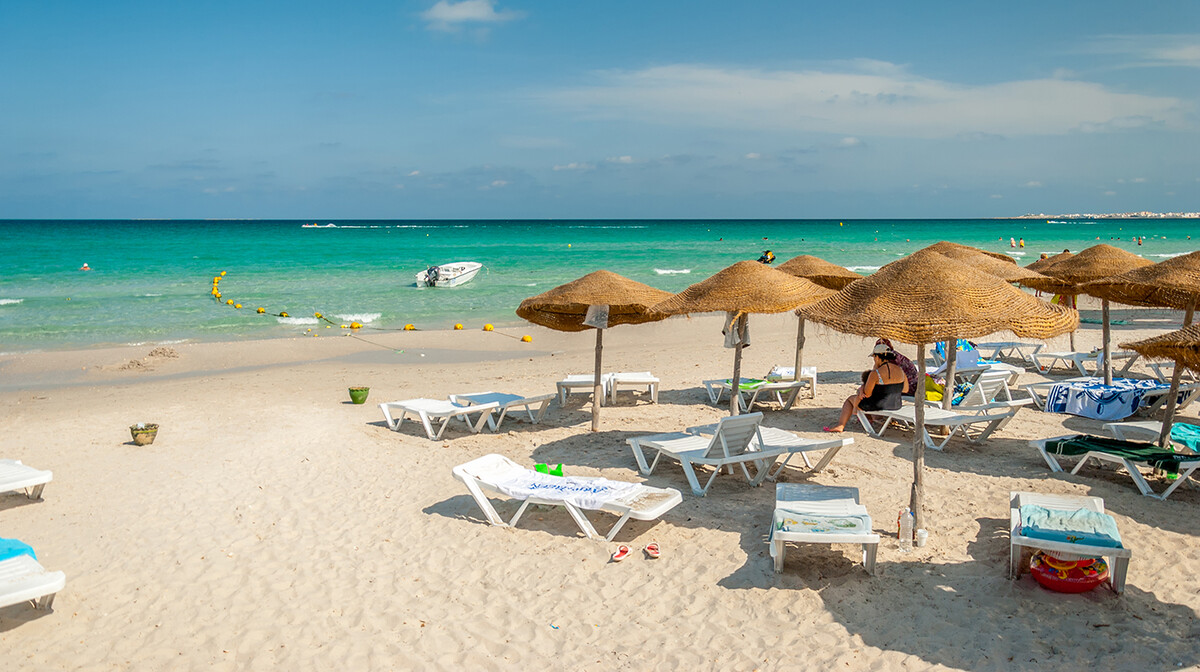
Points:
(409, 327)
(229, 302)
(488, 327)
(261, 310)
(568, 244)
(283, 314)
(526, 339)
(356, 325)
(216, 279)
(317, 315)
(458, 326)
(222, 274)
(237, 305)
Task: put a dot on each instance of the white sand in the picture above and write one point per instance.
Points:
(273, 525)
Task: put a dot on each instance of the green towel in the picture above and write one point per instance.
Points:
(747, 384)
(1137, 451)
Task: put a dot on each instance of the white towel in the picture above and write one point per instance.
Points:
(731, 335)
(586, 493)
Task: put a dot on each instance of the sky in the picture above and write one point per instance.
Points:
(510, 109)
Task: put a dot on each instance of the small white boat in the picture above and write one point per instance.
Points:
(452, 274)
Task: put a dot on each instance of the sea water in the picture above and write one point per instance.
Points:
(151, 281)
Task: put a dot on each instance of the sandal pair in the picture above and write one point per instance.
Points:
(652, 551)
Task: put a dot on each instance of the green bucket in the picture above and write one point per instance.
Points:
(358, 395)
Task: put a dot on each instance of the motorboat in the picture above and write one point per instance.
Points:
(451, 274)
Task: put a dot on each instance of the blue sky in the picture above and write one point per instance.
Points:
(524, 109)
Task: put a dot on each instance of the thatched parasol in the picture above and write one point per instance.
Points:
(1041, 265)
(824, 273)
(999, 265)
(1174, 283)
(1099, 261)
(1183, 346)
(743, 288)
(565, 308)
(928, 297)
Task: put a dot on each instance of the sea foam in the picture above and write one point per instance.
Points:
(860, 269)
(672, 271)
(9, 302)
(365, 318)
(297, 320)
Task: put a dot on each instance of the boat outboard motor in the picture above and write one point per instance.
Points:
(431, 276)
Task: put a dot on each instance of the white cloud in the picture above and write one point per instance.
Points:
(574, 165)
(414, 173)
(1138, 180)
(1110, 192)
(753, 155)
(996, 196)
(496, 184)
(620, 159)
(1151, 50)
(850, 141)
(1033, 184)
(450, 16)
(870, 98)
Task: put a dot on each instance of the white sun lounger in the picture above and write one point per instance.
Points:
(16, 477)
(1152, 400)
(1118, 558)
(22, 579)
(760, 393)
(633, 380)
(582, 382)
(1187, 465)
(792, 444)
(1014, 349)
(506, 402)
(820, 514)
(734, 442)
(1163, 370)
(436, 409)
(501, 476)
(975, 424)
(1045, 361)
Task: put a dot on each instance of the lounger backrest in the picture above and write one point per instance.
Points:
(990, 386)
(734, 435)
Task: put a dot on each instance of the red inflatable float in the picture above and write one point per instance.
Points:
(1068, 576)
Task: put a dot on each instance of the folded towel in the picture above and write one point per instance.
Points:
(586, 493)
(799, 521)
(1147, 453)
(11, 548)
(1089, 528)
(747, 384)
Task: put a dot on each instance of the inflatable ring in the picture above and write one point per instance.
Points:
(1068, 576)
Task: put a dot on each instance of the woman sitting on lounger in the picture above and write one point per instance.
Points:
(881, 391)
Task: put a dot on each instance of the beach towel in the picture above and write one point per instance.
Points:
(585, 493)
(11, 548)
(1137, 451)
(1090, 528)
(1093, 399)
(747, 384)
(798, 521)
(1186, 435)
(731, 335)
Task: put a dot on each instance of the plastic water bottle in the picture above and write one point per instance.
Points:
(906, 530)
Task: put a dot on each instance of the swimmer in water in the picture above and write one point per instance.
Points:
(1021, 243)
(85, 267)
(1012, 242)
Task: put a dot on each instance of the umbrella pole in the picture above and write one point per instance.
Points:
(799, 347)
(1164, 437)
(735, 387)
(597, 391)
(951, 365)
(1105, 334)
(917, 498)
(1072, 304)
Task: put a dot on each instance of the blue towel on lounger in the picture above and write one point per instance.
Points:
(11, 548)
(1186, 435)
(1089, 528)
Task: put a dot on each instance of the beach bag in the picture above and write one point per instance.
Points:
(933, 391)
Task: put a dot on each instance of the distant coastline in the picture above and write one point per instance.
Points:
(1115, 215)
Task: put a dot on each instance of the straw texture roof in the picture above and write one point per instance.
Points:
(1041, 265)
(1182, 345)
(565, 307)
(819, 271)
(745, 287)
(1094, 263)
(928, 297)
(999, 265)
(1174, 283)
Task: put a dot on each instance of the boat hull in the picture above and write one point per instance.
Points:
(452, 274)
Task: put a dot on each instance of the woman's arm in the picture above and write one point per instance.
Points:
(869, 386)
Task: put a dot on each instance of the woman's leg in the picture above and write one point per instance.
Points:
(848, 409)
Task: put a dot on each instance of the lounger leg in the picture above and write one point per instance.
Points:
(1183, 476)
(485, 505)
(1053, 463)
(617, 528)
(581, 520)
(825, 459)
(478, 426)
(693, 481)
(869, 551)
(519, 513)
(45, 602)
(1080, 463)
(1138, 479)
(777, 551)
(764, 468)
(37, 491)
(429, 427)
(654, 393)
(640, 457)
(562, 395)
(541, 413)
(1119, 568)
(387, 417)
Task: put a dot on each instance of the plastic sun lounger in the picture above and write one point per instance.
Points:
(759, 391)
(22, 579)
(1014, 349)
(491, 472)
(1164, 370)
(1118, 557)
(433, 409)
(825, 502)
(1152, 400)
(506, 402)
(792, 444)
(1045, 361)
(15, 477)
(734, 442)
(975, 424)
(1187, 464)
(582, 381)
(633, 380)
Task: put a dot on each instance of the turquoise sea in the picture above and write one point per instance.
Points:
(151, 280)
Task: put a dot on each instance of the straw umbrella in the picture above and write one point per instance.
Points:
(1174, 283)
(824, 273)
(1042, 264)
(743, 288)
(928, 297)
(565, 308)
(1094, 263)
(1183, 346)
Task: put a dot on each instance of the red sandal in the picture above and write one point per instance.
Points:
(622, 553)
(652, 550)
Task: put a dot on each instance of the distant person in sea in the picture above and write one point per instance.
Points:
(85, 267)
(1021, 243)
(881, 391)
(766, 258)
(1012, 242)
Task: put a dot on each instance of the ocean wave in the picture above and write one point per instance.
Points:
(1016, 254)
(9, 302)
(1171, 255)
(149, 295)
(860, 269)
(297, 320)
(672, 271)
(365, 318)
(607, 226)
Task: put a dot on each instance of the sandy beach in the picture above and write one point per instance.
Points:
(275, 525)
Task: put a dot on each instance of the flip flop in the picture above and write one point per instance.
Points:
(622, 553)
(652, 550)
(832, 430)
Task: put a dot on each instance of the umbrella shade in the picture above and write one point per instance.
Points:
(1174, 283)
(1182, 346)
(565, 307)
(928, 297)
(999, 265)
(819, 271)
(745, 287)
(1094, 263)
(1042, 264)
